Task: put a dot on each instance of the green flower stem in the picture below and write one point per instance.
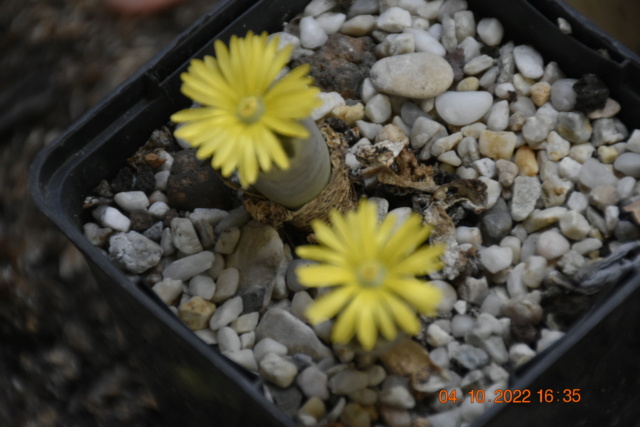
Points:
(307, 176)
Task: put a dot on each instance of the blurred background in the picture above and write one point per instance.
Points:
(62, 360)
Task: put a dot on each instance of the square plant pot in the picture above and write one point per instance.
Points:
(195, 384)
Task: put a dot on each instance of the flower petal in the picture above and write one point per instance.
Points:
(422, 295)
(403, 315)
(345, 326)
(425, 260)
(328, 305)
(322, 275)
(367, 328)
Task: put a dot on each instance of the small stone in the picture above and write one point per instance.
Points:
(359, 26)
(134, 252)
(395, 392)
(498, 118)
(495, 258)
(603, 196)
(330, 101)
(497, 145)
(581, 152)
(470, 357)
(478, 64)
(540, 219)
(331, 22)
(355, 415)
(290, 331)
(528, 61)
(226, 313)
(394, 20)
(547, 338)
(555, 190)
(569, 169)
(628, 163)
(526, 191)
(349, 114)
(243, 358)
(228, 340)
(159, 209)
(606, 154)
(312, 35)
(378, 109)
(475, 290)
(226, 285)
(463, 108)
(552, 245)
(131, 200)
(540, 93)
(110, 217)
(277, 370)
(520, 353)
(259, 255)
(313, 383)
(348, 381)
(593, 173)
(184, 236)
(574, 127)
(187, 267)
(534, 271)
(414, 75)
(525, 159)
(610, 109)
(227, 241)
(563, 96)
(490, 31)
(436, 336)
(246, 323)
(168, 290)
(507, 172)
(425, 42)
(266, 346)
(557, 147)
(196, 312)
(607, 132)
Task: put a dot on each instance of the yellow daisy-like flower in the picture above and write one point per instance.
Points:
(243, 109)
(372, 267)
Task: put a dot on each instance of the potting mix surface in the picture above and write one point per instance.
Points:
(525, 173)
(548, 178)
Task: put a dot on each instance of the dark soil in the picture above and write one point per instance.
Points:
(63, 362)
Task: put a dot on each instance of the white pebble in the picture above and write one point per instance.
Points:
(228, 340)
(496, 258)
(552, 244)
(226, 313)
(490, 31)
(266, 346)
(528, 61)
(463, 108)
(243, 358)
(312, 35)
(394, 20)
(110, 217)
(131, 200)
(277, 370)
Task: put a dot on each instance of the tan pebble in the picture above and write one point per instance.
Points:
(540, 93)
(355, 415)
(196, 313)
(349, 113)
(607, 154)
(392, 133)
(314, 407)
(468, 84)
(526, 160)
(497, 145)
(408, 358)
(634, 210)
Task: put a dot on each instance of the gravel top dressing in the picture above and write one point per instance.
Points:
(525, 173)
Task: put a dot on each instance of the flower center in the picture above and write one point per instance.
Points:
(371, 274)
(250, 109)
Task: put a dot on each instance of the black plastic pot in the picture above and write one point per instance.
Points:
(198, 386)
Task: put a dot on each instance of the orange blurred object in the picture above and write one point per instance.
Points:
(140, 7)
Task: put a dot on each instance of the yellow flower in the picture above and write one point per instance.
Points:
(243, 108)
(371, 267)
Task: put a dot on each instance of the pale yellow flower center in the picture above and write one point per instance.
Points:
(371, 274)
(250, 109)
